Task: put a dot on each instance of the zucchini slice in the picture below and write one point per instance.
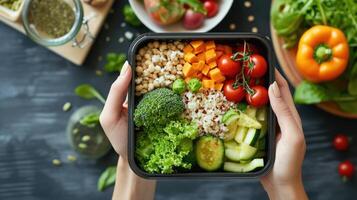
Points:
(209, 153)
(246, 167)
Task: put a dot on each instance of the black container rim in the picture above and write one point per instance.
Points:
(131, 104)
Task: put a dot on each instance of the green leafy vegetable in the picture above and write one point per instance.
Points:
(130, 17)
(242, 106)
(165, 150)
(87, 91)
(195, 5)
(114, 62)
(90, 120)
(107, 178)
(179, 86)
(157, 108)
(194, 85)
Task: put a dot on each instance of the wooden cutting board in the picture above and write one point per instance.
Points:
(286, 59)
(74, 54)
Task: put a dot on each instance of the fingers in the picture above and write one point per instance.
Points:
(286, 95)
(284, 114)
(116, 97)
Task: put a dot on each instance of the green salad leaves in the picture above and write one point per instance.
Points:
(167, 149)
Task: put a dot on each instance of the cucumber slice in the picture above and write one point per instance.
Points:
(251, 111)
(228, 115)
(252, 136)
(246, 121)
(263, 130)
(262, 114)
(231, 145)
(233, 154)
(246, 167)
(232, 125)
(247, 152)
(209, 153)
(240, 135)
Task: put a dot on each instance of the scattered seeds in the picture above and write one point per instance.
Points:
(121, 40)
(98, 72)
(232, 26)
(255, 30)
(248, 4)
(128, 35)
(82, 146)
(71, 158)
(75, 131)
(250, 18)
(67, 106)
(56, 162)
(123, 24)
(85, 138)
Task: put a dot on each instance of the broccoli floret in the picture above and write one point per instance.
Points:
(157, 108)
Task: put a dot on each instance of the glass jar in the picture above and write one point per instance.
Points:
(79, 23)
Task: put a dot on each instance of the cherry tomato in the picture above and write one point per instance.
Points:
(259, 97)
(211, 8)
(228, 66)
(256, 67)
(250, 48)
(346, 169)
(254, 82)
(233, 94)
(340, 142)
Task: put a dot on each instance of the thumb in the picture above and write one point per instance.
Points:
(281, 109)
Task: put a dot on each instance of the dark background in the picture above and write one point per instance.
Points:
(35, 83)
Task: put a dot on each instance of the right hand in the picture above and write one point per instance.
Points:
(286, 175)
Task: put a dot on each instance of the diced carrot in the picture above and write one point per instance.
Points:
(219, 54)
(205, 77)
(205, 69)
(187, 70)
(210, 45)
(200, 76)
(210, 55)
(190, 57)
(227, 49)
(188, 49)
(199, 65)
(198, 46)
(202, 57)
(219, 47)
(218, 86)
(216, 75)
(208, 84)
(212, 64)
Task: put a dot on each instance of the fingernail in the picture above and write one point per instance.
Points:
(276, 90)
(125, 68)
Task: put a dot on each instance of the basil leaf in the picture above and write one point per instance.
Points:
(350, 107)
(87, 91)
(90, 120)
(195, 5)
(130, 17)
(352, 84)
(114, 62)
(107, 178)
(310, 93)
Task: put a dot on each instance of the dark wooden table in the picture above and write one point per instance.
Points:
(35, 83)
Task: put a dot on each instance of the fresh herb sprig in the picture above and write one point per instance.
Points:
(107, 178)
(87, 91)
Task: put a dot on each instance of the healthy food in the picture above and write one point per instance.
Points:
(346, 169)
(208, 111)
(130, 17)
(327, 52)
(192, 13)
(115, 62)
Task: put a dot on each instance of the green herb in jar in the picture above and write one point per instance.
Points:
(11, 4)
(54, 18)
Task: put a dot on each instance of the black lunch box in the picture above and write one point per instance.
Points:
(229, 38)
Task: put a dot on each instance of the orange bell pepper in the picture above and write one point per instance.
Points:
(322, 54)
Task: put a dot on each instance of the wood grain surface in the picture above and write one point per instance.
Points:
(35, 83)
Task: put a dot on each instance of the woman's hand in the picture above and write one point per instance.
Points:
(285, 179)
(114, 120)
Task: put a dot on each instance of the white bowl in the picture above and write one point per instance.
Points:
(209, 23)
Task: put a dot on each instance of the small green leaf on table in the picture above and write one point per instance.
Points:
(87, 91)
(114, 62)
(107, 178)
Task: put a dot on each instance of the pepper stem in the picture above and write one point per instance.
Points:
(322, 53)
